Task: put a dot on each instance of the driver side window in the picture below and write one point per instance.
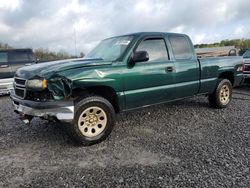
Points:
(156, 49)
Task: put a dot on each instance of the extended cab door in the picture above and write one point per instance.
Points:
(5, 69)
(152, 81)
(187, 71)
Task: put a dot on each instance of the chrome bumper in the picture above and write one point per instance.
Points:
(65, 114)
(61, 110)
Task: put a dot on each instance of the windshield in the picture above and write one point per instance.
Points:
(110, 49)
(247, 54)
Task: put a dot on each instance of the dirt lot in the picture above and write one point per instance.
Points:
(182, 144)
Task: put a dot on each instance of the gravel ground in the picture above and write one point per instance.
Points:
(181, 144)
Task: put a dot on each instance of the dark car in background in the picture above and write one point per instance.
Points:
(10, 61)
(246, 60)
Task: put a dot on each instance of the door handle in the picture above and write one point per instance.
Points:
(28, 64)
(169, 69)
(4, 66)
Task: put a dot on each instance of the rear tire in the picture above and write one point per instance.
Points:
(93, 122)
(222, 95)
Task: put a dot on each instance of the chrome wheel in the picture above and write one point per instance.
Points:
(92, 121)
(225, 94)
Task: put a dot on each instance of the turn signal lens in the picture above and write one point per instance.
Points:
(45, 84)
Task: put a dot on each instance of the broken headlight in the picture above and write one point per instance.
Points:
(37, 84)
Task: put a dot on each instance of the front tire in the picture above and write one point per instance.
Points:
(222, 95)
(93, 121)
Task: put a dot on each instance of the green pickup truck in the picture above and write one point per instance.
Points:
(122, 73)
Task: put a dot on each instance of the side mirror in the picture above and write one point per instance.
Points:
(140, 56)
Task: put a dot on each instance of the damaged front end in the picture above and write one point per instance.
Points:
(60, 87)
(45, 89)
(48, 98)
(55, 87)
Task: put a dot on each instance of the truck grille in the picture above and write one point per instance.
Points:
(19, 86)
(20, 81)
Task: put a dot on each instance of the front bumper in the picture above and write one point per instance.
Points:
(61, 110)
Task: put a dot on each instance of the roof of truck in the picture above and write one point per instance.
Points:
(16, 50)
(148, 33)
(154, 33)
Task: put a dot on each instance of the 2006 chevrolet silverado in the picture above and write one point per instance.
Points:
(121, 73)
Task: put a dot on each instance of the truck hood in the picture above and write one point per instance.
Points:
(52, 67)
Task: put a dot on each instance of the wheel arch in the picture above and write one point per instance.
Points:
(106, 92)
(227, 75)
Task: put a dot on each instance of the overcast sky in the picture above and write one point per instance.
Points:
(53, 24)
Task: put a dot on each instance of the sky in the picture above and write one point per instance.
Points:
(75, 26)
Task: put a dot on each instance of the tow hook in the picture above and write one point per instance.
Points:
(26, 118)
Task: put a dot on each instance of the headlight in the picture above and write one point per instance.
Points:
(37, 84)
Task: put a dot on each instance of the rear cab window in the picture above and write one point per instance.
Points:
(3, 58)
(156, 49)
(181, 47)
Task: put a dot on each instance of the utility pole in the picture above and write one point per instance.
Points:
(75, 40)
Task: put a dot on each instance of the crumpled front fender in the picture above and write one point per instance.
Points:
(60, 87)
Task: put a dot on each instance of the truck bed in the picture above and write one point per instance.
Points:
(212, 67)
